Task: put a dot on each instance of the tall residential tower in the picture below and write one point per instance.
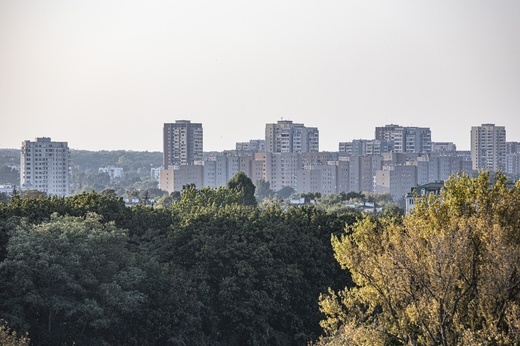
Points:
(406, 139)
(488, 147)
(45, 166)
(182, 142)
(288, 137)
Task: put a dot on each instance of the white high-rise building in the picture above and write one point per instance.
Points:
(45, 166)
(288, 137)
(488, 147)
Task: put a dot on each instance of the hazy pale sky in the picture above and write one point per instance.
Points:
(107, 74)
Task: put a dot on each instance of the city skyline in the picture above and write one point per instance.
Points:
(106, 75)
(336, 149)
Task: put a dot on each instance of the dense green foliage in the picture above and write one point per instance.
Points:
(213, 269)
(9, 158)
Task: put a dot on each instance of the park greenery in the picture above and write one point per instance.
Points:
(213, 269)
(216, 267)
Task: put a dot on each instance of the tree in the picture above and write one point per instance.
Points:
(4, 198)
(448, 274)
(9, 175)
(263, 189)
(25, 194)
(242, 184)
(354, 195)
(68, 280)
(253, 283)
(9, 337)
(285, 192)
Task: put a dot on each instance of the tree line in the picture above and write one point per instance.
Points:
(215, 268)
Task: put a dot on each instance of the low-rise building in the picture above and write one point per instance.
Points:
(113, 172)
(421, 191)
(176, 177)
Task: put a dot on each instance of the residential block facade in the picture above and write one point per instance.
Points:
(406, 139)
(45, 166)
(288, 137)
(488, 147)
(182, 142)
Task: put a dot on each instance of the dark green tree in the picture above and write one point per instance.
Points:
(9, 175)
(242, 184)
(70, 280)
(285, 192)
(263, 189)
(4, 198)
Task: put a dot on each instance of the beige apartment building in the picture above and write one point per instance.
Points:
(182, 143)
(288, 137)
(175, 178)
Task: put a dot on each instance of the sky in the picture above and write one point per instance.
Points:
(106, 75)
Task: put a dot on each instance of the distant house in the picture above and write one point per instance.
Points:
(155, 173)
(7, 189)
(422, 190)
(113, 172)
(301, 201)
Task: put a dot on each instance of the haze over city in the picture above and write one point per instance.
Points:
(105, 75)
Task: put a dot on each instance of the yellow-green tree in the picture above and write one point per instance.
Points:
(448, 274)
(9, 337)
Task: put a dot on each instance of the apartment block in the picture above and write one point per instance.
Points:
(281, 168)
(215, 171)
(440, 147)
(258, 167)
(343, 175)
(513, 165)
(45, 166)
(488, 147)
(361, 172)
(182, 143)
(175, 178)
(288, 137)
(406, 139)
(362, 147)
(254, 145)
(319, 158)
(396, 180)
(328, 178)
(512, 147)
(307, 180)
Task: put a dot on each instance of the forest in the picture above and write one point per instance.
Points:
(215, 268)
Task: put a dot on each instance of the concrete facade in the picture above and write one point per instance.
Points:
(174, 178)
(45, 166)
(406, 139)
(488, 147)
(288, 137)
(182, 143)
